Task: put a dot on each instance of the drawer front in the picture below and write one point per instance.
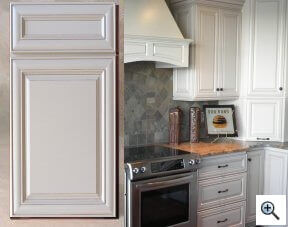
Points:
(86, 27)
(231, 215)
(223, 165)
(212, 193)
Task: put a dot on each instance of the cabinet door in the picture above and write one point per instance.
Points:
(275, 181)
(58, 27)
(266, 57)
(264, 120)
(63, 133)
(229, 52)
(183, 86)
(206, 51)
(254, 181)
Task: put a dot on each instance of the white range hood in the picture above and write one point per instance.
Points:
(151, 34)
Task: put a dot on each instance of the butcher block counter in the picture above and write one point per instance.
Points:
(223, 146)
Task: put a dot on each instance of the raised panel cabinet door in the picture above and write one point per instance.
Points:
(229, 64)
(267, 45)
(206, 51)
(58, 27)
(183, 86)
(275, 180)
(63, 137)
(264, 119)
(254, 181)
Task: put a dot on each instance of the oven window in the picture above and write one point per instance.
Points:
(165, 207)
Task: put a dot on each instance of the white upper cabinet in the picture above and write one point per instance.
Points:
(214, 58)
(266, 73)
(68, 27)
(206, 54)
(229, 64)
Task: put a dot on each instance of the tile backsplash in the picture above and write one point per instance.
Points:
(148, 98)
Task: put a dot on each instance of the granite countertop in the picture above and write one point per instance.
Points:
(224, 146)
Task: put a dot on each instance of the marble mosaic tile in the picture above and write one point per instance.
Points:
(148, 98)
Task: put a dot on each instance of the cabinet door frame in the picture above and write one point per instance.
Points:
(103, 203)
(274, 136)
(279, 64)
(221, 68)
(202, 92)
(26, 16)
(258, 153)
(280, 154)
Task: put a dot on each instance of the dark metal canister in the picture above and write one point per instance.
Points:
(195, 123)
(175, 118)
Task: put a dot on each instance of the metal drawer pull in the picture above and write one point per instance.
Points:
(226, 190)
(258, 138)
(224, 166)
(249, 159)
(226, 219)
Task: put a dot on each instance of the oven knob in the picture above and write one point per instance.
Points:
(191, 162)
(143, 169)
(198, 161)
(135, 170)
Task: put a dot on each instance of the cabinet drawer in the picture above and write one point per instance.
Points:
(231, 215)
(223, 165)
(60, 27)
(221, 191)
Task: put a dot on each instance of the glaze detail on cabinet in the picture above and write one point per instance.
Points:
(63, 112)
(262, 107)
(255, 177)
(222, 190)
(63, 27)
(214, 68)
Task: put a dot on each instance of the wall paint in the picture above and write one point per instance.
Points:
(148, 98)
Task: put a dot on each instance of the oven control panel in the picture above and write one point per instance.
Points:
(142, 170)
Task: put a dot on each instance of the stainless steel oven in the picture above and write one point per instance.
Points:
(162, 201)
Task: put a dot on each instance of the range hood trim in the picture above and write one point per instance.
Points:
(157, 49)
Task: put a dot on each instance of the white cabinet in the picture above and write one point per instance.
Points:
(214, 58)
(275, 181)
(222, 190)
(63, 149)
(229, 64)
(206, 54)
(63, 110)
(264, 119)
(255, 167)
(73, 27)
(266, 60)
(263, 104)
(229, 215)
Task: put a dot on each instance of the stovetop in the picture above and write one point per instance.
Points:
(146, 153)
(157, 161)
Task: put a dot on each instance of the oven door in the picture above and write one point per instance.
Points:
(165, 201)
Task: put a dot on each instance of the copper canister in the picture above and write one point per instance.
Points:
(195, 123)
(175, 119)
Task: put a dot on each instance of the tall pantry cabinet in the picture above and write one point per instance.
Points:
(262, 106)
(63, 109)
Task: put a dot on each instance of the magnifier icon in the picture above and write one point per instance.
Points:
(267, 208)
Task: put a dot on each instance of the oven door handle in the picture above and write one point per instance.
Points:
(168, 181)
